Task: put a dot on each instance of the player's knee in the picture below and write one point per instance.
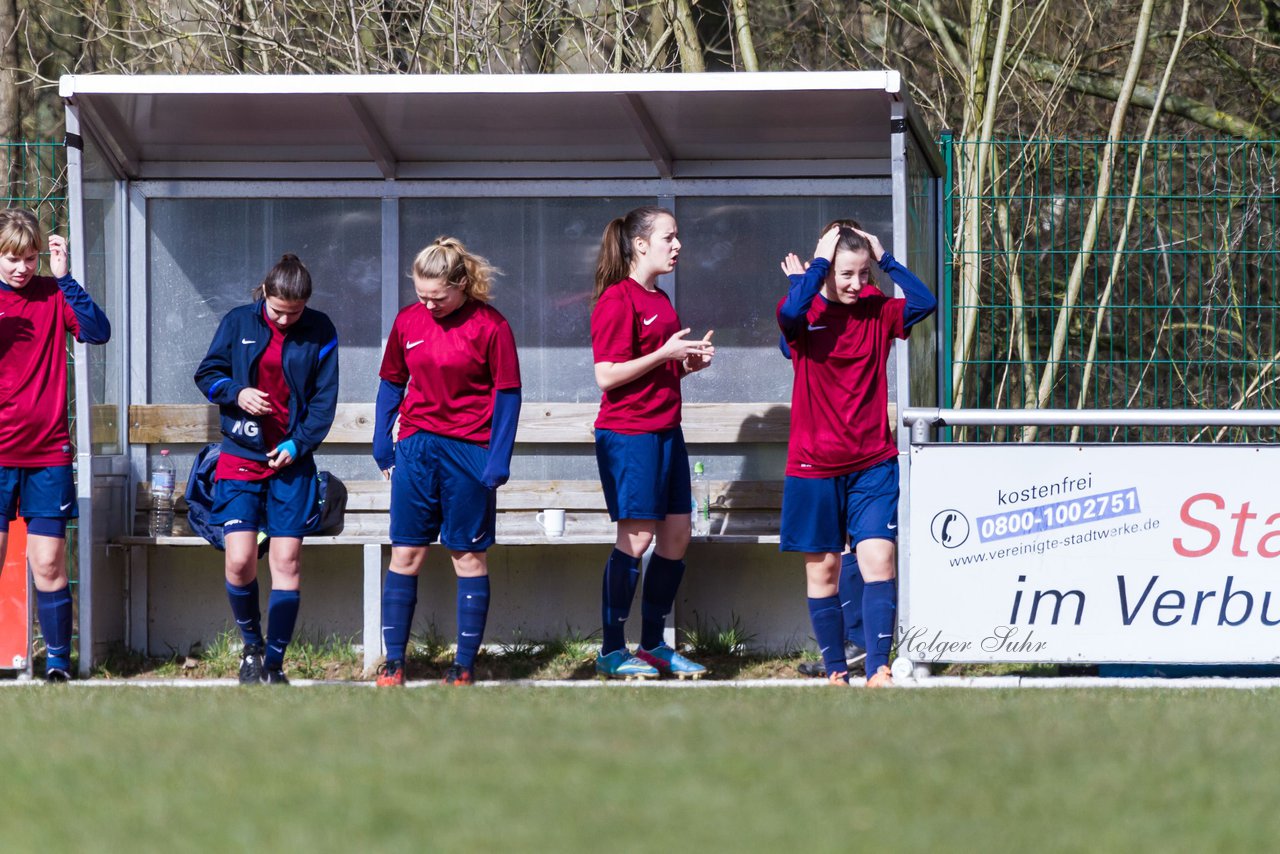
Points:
(635, 543)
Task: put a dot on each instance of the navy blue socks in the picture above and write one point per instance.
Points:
(851, 599)
(828, 631)
(621, 574)
(473, 610)
(879, 614)
(399, 598)
(282, 614)
(661, 581)
(54, 610)
(244, 607)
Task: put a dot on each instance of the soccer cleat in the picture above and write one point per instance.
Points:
(251, 665)
(391, 674)
(274, 676)
(621, 664)
(840, 678)
(882, 678)
(852, 655)
(666, 660)
(56, 675)
(457, 675)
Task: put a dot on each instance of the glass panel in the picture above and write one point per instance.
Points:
(102, 254)
(728, 280)
(546, 250)
(922, 259)
(207, 256)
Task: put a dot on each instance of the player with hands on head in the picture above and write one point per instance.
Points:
(272, 368)
(641, 353)
(842, 468)
(36, 480)
(451, 375)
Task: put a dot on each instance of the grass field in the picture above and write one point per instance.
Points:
(618, 768)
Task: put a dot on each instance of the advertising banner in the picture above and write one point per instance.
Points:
(1060, 553)
(14, 606)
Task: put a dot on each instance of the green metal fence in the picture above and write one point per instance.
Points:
(1172, 304)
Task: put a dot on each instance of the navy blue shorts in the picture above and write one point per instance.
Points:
(436, 492)
(817, 513)
(47, 492)
(644, 476)
(287, 504)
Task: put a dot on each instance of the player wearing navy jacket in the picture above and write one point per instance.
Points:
(842, 469)
(36, 313)
(641, 354)
(273, 371)
(451, 375)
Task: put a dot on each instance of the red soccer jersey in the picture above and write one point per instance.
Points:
(629, 322)
(451, 367)
(840, 395)
(275, 426)
(34, 322)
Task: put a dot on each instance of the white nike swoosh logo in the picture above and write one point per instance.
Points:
(815, 328)
(892, 527)
(805, 466)
(477, 539)
(413, 344)
(882, 637)
(313, 520)
(651, 320)
(247, 341)
(65, 506)
(471, 634)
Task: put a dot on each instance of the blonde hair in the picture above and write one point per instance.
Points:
(446, 258)
(20, 232)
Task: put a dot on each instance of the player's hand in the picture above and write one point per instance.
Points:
(877, 248)
(254, 401)
(793, 266)
(281, 455)
(678, 349)
(58, 264)
(826, 247)
(386, 473)
(697, 361)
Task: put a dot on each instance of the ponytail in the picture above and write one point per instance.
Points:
(616, 245)
(446, 258)
(288, 280)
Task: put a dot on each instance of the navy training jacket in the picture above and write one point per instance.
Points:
(310, 360)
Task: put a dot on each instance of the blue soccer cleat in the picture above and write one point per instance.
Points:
(621, 664)
(667, 660)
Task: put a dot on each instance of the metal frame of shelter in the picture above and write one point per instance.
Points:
(394, 138)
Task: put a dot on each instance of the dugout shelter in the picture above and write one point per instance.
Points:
(184, 190)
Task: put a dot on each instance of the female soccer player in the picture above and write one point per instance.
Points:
(641, 355)
(36, 313)
(842, 467)
(451, 373)
(273, 371)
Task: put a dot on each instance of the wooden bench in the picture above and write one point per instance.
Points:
(742, 511)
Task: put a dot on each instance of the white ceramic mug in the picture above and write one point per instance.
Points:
(552, 522)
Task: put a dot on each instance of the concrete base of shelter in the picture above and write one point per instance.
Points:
(538, 593)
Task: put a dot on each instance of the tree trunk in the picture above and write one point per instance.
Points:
(691, 58)
(10, 108)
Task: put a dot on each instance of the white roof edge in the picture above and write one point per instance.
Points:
(70, 85)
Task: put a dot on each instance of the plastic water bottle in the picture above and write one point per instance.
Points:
(163, 479)
(701, 501)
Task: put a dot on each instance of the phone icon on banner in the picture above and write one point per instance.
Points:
(950, 529)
